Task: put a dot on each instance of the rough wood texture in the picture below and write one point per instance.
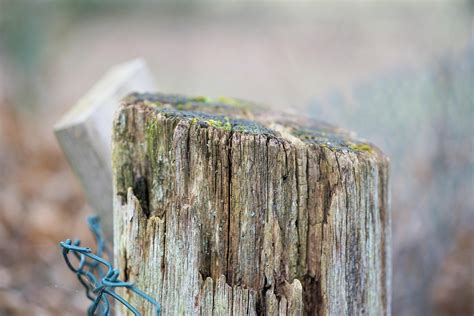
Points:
(85, 132)
(221, 208)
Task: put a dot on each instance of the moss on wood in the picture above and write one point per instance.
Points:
(240, 116)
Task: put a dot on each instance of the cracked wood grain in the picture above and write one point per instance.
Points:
(223, 208)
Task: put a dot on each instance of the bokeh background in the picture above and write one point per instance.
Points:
(400, 74)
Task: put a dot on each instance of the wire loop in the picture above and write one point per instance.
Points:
(97, 274)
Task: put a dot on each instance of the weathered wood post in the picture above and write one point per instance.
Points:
(222, 207)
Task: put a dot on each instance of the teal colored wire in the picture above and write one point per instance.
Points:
(97, 274)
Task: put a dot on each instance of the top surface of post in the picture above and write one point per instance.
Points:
(235, 115)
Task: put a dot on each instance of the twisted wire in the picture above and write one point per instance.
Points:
(97, 274)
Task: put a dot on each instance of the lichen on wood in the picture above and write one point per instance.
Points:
(224, 207)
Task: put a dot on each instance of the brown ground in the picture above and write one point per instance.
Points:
(40, 204)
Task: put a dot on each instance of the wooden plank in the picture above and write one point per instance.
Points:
(279, 214)
(84, 133)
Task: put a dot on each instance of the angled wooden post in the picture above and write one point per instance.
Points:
(225, 208)
(85, 133)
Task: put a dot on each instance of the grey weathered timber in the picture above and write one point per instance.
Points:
(85, 132)
(224, 207)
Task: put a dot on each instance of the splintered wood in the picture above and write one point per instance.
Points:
(222, 207)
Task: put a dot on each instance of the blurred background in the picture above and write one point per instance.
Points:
(400, 74)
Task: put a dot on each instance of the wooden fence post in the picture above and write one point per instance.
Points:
(84, 133)
(223, 207)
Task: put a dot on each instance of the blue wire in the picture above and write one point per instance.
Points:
(98, 276)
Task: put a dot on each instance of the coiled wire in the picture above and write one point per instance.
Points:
(97, 274)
